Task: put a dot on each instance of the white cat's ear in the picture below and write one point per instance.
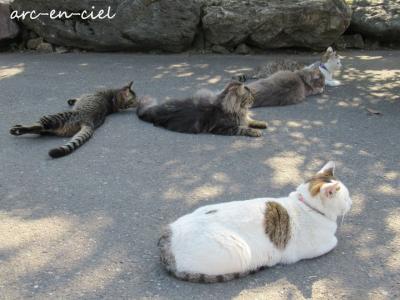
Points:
(329, 190)
(328, 168)
(329, 50)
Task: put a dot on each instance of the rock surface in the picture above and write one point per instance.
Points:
(275, 23)
(32, 44)
(8, 28)
(173, 25)
(242, 49)
(138, 25)
(378, 19)
(353, 41)
(45, 47)
(219, 49)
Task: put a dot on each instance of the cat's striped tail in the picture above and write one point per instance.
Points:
(168, 260)
(77, 140)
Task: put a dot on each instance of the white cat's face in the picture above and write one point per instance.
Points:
(333, 61)
(334, 194)
(337, 198)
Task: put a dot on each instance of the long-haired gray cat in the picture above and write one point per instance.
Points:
(88, 113)
(223, 113)
(286, 87)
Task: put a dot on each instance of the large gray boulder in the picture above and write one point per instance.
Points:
(275, 23)
(8, 28)
(168, 25)
(171, 25)
(378, 19)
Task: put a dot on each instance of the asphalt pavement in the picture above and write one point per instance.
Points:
(86, 226)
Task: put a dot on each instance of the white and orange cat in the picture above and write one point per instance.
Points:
(329, 64)
(220, 242)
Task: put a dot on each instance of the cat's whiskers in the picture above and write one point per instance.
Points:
(341, 223)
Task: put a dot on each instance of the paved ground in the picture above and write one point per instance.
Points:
(86, 226)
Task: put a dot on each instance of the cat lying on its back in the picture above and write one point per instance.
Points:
(285, 87)
(224, 241)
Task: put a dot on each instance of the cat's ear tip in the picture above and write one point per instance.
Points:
(329, 166)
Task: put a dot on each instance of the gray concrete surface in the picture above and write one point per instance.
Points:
(86, 226)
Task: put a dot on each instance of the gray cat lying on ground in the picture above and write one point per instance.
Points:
(286, 87)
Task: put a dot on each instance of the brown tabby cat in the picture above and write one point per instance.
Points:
(270, 68)
(88, 113)
(285, 87)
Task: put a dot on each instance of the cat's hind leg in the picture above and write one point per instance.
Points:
(21, 129)
(61, 123)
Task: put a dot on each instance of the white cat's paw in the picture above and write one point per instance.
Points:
(333, 83)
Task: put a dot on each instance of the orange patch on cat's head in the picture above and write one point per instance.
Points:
(318, 180)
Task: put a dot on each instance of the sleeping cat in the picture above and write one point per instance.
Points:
(224, 113)
(224, 241)
(330, 62)
(88, 113)
(286, 87)
(270, 68)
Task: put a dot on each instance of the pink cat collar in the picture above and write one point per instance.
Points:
(302, 200)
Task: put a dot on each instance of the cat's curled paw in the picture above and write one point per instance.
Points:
(333, 83)
(16, 130)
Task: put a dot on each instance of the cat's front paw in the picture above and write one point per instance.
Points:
(262, 125)
(257, 124)
(333, 83)
(16, 130)
(254, 132)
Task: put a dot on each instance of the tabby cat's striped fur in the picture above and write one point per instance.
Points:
(88, 113)
(270, 68)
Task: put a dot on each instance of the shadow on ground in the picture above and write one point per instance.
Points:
(87, 225)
